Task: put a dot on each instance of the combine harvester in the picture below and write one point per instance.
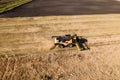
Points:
(71, 41)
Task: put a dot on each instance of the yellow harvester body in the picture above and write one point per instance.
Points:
(70, 41)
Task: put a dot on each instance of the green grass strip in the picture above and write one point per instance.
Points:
(11, 5)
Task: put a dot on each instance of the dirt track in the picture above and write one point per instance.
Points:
(65, 7)
(5, 1)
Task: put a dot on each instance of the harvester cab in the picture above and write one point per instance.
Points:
(71, 41)
(63, 41)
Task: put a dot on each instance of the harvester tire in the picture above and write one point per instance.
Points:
(70, 45)
(61, 46)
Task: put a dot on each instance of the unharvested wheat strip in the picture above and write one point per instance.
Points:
(3, 77)
(14, 67)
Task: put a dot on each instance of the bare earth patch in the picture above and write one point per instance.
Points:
(5, 1)
(65, 7)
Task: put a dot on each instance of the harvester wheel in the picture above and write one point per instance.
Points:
(70, 45)
(61, 46)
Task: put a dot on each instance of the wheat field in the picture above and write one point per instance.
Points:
(25, 48)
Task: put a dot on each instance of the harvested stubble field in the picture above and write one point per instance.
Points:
(25, 44)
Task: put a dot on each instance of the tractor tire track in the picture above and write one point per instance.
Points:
(104, 43)
(91, 45)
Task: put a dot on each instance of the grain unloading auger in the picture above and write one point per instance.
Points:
(70, 41)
